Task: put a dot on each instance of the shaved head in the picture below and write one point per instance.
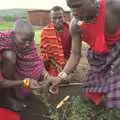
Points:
(83, 9)
(24, 33)
(23, 27)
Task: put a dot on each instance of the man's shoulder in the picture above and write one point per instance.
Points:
(3, 34)
(75, 26)
(6, 34)
(113, 5)
(48, 27)
(47, 30)
(5, 41)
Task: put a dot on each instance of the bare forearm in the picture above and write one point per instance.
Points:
(10, 83)
(43, 74)
(72, 63)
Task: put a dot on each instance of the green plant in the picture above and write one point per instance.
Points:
(81, 109)
(9, 18)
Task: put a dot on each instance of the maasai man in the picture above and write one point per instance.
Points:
(19, 60)
(55, 42)
(97, 22)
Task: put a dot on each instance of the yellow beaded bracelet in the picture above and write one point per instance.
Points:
(26, 83)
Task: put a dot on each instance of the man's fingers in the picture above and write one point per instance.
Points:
(54, 90)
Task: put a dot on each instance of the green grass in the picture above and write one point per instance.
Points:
(9, 25)
(13, 12)
(6, 25)
(37, 36)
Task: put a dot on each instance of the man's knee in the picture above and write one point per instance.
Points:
(9, 56)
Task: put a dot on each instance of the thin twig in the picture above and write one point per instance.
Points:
(71, 84)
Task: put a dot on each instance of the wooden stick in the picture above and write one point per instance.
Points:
(62, 85)
(60, 104)
(71, 84)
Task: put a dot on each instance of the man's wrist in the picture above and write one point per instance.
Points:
(62, 75)
(46, 75)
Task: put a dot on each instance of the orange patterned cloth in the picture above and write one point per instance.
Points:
(55, 46)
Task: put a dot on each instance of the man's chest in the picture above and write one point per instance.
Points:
(112, 17)
(111, 23)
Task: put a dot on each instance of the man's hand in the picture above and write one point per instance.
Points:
(56, 81)
(46, 82)
(54, 88)
(34, 84)
(68, 78)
